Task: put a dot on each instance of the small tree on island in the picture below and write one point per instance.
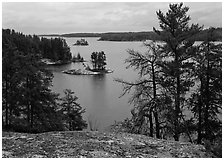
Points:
(78, 56)
(98, 60)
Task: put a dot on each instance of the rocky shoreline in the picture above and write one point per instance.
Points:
(86, 72)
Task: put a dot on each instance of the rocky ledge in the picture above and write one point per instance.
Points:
(77, 144)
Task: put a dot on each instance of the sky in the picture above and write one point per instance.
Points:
(72, 17)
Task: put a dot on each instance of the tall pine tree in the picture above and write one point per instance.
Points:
(178, 49)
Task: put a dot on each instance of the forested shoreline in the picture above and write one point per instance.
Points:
(28, 103)
(135, 36)
(54, 49)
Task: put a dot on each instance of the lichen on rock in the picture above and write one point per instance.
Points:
(80, 144)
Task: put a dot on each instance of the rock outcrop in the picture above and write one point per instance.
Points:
(77, 144)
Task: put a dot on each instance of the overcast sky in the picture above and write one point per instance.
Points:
(46, 18)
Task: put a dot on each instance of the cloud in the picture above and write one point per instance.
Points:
(208, 14)
(69, 17)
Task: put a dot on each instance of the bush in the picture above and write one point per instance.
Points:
(214, 147)
(122, 126)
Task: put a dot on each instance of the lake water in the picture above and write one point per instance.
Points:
(99, 94)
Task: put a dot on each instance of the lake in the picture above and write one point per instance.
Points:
(99, 95)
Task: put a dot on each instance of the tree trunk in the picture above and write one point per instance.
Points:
(200, 114)
(6, 105)
(6, 98)
(10, 105)
(10, 115)
(7, 116)
(199, 124)
(28, 102)
(156, 105)
(177, 99)
(177, 110)
(157, 124)
(207, 101)
(151, 123)
(31, 116)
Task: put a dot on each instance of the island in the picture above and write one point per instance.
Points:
(48, 61)
(81, 42)
(86, 72)
(98, 60)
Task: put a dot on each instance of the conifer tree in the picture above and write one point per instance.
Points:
(10, 84)
(146, 95)
(178, 49)
(98, 60)
(72, 111)
(26, 87)
(206, 101)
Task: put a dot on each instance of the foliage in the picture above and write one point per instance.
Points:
(214, 146)
(26, 93)
(125, 126)
(72, 111)
(55, 49)
(78, 56)
(178, 49)
(206, 102)
(28, 104)
(98, 60)
(146, 94)
(177, 78)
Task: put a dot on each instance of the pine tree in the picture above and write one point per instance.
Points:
(78, 56)
(178, 49)
(98, 60)
(94, 60)
(72, 111)
(26, 87)
(146, 95)
(10, 84)
(206, 101)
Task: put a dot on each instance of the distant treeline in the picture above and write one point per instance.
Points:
(136, 36)
(141, 36)
(82, 35)
(74, 35)
(217, 35)
(129, 36)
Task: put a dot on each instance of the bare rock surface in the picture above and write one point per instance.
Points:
(80, 144)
